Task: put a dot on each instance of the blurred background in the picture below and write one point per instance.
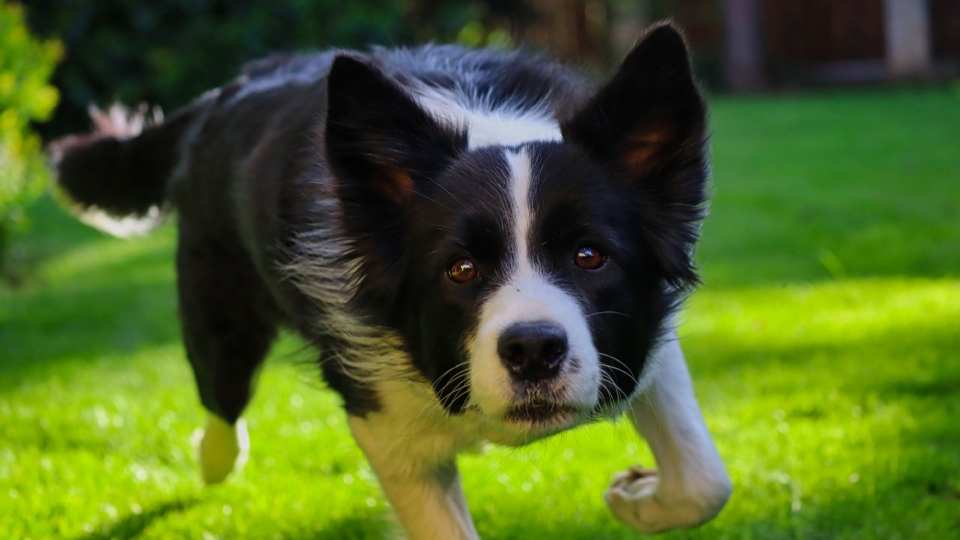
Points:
(824, 342)
(168, 52)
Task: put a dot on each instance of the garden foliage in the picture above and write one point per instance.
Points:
(26, 65)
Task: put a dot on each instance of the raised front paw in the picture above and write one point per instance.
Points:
(637, 498)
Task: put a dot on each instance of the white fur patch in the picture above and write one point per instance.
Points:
(122, 227)
(528, 295)
(411, 444)
(123, 122)
(521, 177)
(487, 125)
(691, 484)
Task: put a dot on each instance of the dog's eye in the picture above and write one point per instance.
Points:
(462, 271)
(589, 258)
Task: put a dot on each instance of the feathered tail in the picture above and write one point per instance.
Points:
(117, 176)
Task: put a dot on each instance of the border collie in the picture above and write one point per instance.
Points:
(479, 245)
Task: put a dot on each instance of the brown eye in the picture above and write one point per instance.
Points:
(463, 271)
(589, 258)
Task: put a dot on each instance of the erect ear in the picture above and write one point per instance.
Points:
(647, 111)
(649, 122)
(379, 142)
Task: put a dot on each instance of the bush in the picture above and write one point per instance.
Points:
(26, 65)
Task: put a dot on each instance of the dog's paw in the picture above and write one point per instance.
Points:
(637, 498)
(222, 448)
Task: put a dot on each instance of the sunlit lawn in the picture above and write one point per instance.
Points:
(824, 345)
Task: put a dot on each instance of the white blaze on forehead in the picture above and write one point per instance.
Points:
(520, 180)
(527, 295)
(489, 130)
(489, 126)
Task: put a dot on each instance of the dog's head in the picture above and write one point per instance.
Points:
(529, 282)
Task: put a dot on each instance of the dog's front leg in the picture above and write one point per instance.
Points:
(420, 480)
(691, 485)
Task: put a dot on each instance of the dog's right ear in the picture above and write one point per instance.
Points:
(380, 144)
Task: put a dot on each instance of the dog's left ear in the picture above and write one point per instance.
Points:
(649, 122)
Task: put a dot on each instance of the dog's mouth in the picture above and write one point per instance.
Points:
(542, 414)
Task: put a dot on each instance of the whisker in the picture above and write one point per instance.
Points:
(627, 373)
(607, 313)
(431, 199)
(452, 196)
(609, 380)
(458, 380)
(626, 369)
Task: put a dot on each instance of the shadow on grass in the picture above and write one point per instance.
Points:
(87, 296)
(352, 528)
(133, 524)
(933, 389)
(884, 360)
(51, 230)
(43, 328)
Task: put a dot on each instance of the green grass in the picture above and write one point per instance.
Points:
(824, 345)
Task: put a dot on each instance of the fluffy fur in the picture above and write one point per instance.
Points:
(338, 193)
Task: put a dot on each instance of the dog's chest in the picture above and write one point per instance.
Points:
(413, 424)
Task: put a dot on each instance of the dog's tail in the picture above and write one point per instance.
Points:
(117, 176)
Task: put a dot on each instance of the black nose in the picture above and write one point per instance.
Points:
(533, 351)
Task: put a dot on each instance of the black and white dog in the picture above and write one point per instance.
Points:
(480, 246)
